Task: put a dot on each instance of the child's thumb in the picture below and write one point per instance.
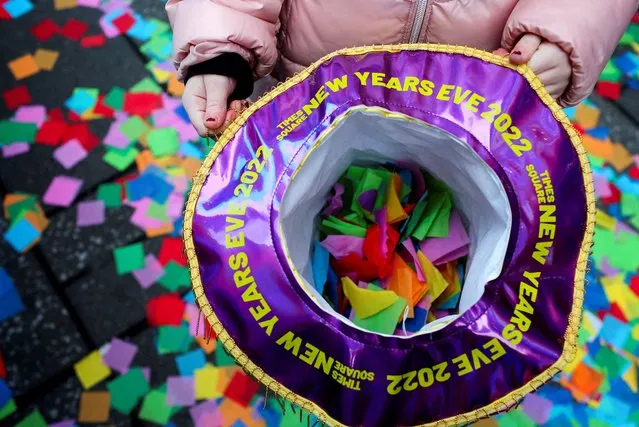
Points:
(218, 89)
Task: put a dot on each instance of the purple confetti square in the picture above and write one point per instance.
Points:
(115, 138)
(70, 154)
(537, 408)
(151, 272)
(15, 149)
(180, 391)
(206, 414)
(90, 213)
(147, 374)
(120, 355)
(66, 423)
(62, 191)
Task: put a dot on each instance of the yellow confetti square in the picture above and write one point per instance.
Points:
(206, 380)
(46, 59)
(64, 4)
(91, 370)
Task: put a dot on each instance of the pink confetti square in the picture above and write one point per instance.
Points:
(15, 149)
(115, 138)
(88, 3)
(70, 154)
(62, 191)
(31, 114)
(90, 213)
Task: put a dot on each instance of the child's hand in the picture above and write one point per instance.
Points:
(547, 60)
(205, 99)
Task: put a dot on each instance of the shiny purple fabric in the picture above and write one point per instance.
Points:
(372, 405)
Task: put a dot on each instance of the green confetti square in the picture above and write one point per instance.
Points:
(17, 132)
(163, 142)
(157, 211)
(115, 98)
(34, 419)
(173, 339)
(129, 258)
(175, 276)
(155, 409)
(146, 85)
(8, 409)
(221, 358)
(134, 128)
(121, 159)
(110, 194)
(127, 390)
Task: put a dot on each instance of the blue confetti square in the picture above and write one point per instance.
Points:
(82, 100)
(187, 363)
(614, 331)
(21, 235)
(180, 111)
(615, 211)
(17, 8)
(190, 150)
(613, 410)
(570, 112)
(417, 322)
(628, 63)
(599, 133)
(10, 301)
(160, 189)
(5, 393)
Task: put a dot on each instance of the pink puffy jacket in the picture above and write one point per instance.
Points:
(298, 32)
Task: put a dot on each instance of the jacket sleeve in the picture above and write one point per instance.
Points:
(205, 29)
(587, 30)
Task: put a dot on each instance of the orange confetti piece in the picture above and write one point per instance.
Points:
(597, 147)
(587, 116)
(23, 67)
(401, 282)
(586, 380)
(620, 159)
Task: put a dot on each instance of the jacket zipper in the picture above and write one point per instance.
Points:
(418, 21)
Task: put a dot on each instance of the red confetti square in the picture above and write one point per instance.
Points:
(166, 309)
(634, 284)
(634, 172)
(579, 129)
(142, 104)
(93, 41)
(103, 110)
(615, 196)
(82, 133)
(3, 369)
(50, 133)
(172, 249)
(56, 114)
(45, 29)
(74, 29)
(241, 389)
(4, 15)
(16, 97)
(615, 310)
(609, 90)
(635, 18)
(124, 22)
(73, 116)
